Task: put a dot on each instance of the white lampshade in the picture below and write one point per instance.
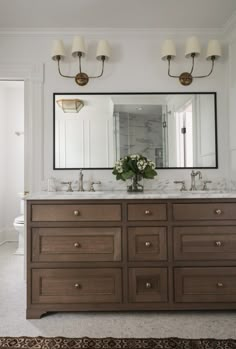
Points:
(213, 49)
(103, 49)
(78, 46)
(192, 46)
(168, 49)
(58, 49)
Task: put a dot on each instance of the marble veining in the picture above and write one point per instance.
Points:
(109, 195)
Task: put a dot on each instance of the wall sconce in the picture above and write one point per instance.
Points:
(70, 105)
(78, 50)
(192, 50)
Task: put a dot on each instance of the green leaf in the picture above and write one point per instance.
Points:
(127, 175)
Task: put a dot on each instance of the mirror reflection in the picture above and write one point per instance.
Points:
(175, 130)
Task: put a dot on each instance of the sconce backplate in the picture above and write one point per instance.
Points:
(81, 79)
(185, 79)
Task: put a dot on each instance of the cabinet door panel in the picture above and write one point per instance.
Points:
(209, 284)
(76, 285)
(76, 244)
(148, 285)
(147, 244)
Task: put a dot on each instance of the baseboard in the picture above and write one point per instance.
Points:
(8, 235)
(7, 241)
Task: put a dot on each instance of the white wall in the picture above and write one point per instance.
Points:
(134, 66)
(11, 156)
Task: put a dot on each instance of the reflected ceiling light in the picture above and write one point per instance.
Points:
(70, 105)
(192, 50)
(79, 51)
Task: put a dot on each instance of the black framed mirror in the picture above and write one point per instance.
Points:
(175, 130)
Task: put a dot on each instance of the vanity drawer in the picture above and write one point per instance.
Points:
(148, 285)
(76, 286)
(147, 212)
(204, 211)
(147, 244)
(76, 244)
(205, 243)
(76, 212)
(205, 284)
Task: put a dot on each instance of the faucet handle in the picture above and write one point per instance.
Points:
(92, 187)
(183, 188)
(205, 185)
(69, 185)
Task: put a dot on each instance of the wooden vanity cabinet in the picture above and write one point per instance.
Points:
(107, 255)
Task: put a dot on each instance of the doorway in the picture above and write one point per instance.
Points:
(11, 157)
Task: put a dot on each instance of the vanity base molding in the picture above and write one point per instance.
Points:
(127, 255)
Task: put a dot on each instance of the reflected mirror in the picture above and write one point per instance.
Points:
(175, 130)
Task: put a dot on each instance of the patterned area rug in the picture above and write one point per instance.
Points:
(114, 343)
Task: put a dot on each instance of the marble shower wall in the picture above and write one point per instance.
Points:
(140, 134)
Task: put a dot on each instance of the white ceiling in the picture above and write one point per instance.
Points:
(115, 13)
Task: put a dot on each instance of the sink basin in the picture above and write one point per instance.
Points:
(79, 193)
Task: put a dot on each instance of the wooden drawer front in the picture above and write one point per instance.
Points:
(201, 211)
(205, 284)
(75, 213)
(148, 285)
(76, 285)
(205, 243)
(147, 244)
(147, 212)
(76, 244)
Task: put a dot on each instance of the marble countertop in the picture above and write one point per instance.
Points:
(109, 195)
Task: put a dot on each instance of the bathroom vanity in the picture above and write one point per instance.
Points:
(120, 252)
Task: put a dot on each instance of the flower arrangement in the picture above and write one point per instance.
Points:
(134, 166)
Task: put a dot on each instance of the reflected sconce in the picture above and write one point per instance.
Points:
(192, 50)
(78, 51)
(70, 105)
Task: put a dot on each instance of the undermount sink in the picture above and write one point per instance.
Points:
(79, 193)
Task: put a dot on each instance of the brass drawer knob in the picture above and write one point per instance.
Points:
(147, 243)
(77, 285)
(77, 244)
(147, 212)
(220, 284)
(218, 211)
(148, 285)
(218, 243)
(76, 213)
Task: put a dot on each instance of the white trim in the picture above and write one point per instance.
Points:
(97, 32)
(32, 75)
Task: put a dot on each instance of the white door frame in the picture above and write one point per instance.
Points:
(32, 75)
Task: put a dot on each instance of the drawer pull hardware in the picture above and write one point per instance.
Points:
(76, 213)
(147, 212)
(148, 285)
(220, 284)
(147, 243)
(218, 243)
(77, 244)
(77, 285)
(218, 211)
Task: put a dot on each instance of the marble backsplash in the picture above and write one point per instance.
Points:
(108, 183)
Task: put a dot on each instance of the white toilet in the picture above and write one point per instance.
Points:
(20, 227)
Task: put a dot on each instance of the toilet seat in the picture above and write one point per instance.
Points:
(19, 220)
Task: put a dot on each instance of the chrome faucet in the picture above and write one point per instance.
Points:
(81, 181)
(193, 179)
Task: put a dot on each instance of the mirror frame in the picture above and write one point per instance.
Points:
(133, 93)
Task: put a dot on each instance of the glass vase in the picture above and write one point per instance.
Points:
(136, 184)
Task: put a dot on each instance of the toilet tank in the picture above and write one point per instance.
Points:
(22, 203)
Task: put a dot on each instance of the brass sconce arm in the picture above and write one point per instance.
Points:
(211, 70)
(80, 78)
